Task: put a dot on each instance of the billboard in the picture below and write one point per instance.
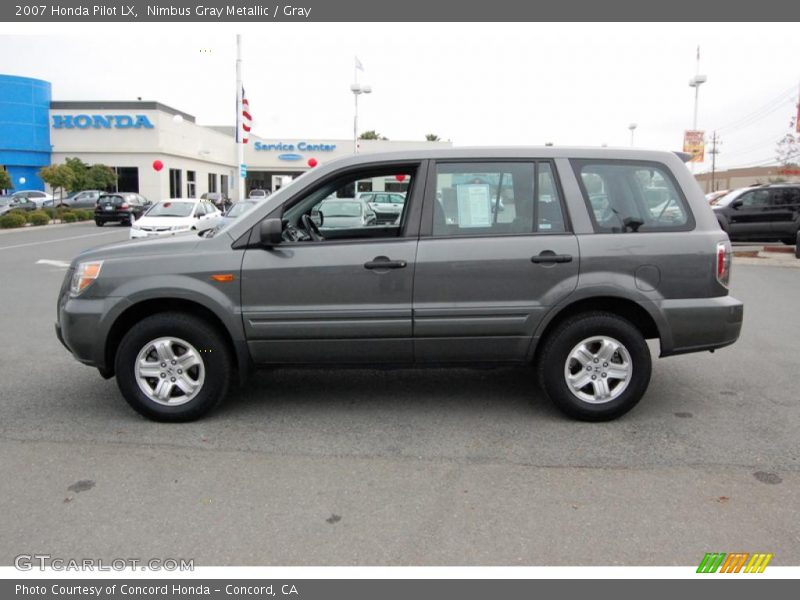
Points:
(694, 144)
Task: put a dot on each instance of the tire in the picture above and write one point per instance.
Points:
(789, 241)
(99, 223)
(178, 331)
(588, 331)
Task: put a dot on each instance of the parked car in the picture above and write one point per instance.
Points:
(119, 207)
(575, 290)
(39, 198)
(347, 213)
(21, 203)
(258, 194)
(712, 197)
(237, 210)
(178, 215)
(765, 213)
(218, 199)
(5, 204)
(83, 199)
(387, 206)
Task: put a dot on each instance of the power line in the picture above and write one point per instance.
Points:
(760, 113)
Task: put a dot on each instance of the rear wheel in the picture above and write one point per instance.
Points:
(98, 222)
(595, 366)
(173, 367)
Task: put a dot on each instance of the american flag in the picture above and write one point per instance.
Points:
(247, 120)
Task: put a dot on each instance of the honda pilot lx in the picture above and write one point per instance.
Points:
(595, 252)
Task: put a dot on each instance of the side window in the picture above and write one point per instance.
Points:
(630, 197)
(201, 210)
(501, 198)
(339, 210)
(785, 196)
(755, 199)
(549, 214)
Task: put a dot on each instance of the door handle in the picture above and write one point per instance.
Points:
(549, 257)
(384, 262)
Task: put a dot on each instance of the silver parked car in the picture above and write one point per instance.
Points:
(595, 252)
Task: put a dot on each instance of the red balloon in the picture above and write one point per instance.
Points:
(312, 162)
(400, 177)
(158, 165)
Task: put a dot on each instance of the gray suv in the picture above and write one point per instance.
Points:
(595, 252)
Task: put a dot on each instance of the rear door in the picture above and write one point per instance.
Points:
(785, 203)
(496, 250)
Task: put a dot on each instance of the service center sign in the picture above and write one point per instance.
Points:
(101, 122)
(290, 151)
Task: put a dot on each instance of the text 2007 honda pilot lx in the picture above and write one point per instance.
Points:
(594, 252)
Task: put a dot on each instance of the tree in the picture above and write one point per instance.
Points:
(79, 170)
(58, 177)
(788, 149)
(432, 137)
(100, 177)
(372, 135)
(5, 180)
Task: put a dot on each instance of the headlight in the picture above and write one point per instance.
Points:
(135, 226)
(180, 228)
(85, 274)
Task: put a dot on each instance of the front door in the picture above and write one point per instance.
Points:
(497, 251)
(750, 215)
(339, 289)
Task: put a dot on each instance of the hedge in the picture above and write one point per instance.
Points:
(11, 220)
(38, 217)
(69, 216)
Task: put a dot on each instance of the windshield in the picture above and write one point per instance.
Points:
(171, 209)
(239, 209)
(340, 209)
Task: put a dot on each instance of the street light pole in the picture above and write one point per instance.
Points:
(357, 89)
(696, 82)
(632, 127)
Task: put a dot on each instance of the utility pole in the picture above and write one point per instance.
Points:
(713, 152)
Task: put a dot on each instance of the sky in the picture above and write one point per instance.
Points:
(471, 83)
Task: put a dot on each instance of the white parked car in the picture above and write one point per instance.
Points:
(177, 215)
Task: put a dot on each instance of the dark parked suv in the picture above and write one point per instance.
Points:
(595, 252)
(763, 213)
(121, 207)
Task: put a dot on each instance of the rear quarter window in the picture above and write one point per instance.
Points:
(632, 197)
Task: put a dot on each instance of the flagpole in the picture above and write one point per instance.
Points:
(239, 133)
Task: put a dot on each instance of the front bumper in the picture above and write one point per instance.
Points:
(698, 324)
(83, 326)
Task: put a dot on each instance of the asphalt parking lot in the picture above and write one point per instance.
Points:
(431, 467)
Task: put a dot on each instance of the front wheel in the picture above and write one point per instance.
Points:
(595, 366)
(99, 223)
(173, 367)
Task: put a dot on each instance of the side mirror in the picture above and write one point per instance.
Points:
(736, 204)
(271, 232)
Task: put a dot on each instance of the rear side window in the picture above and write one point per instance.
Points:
(496, 198)
(630, 197)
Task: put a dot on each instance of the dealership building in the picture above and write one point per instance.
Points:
(155, 150)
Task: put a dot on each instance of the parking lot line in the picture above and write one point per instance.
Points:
(66, 239)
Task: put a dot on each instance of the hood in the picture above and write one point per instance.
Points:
(178, 244)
